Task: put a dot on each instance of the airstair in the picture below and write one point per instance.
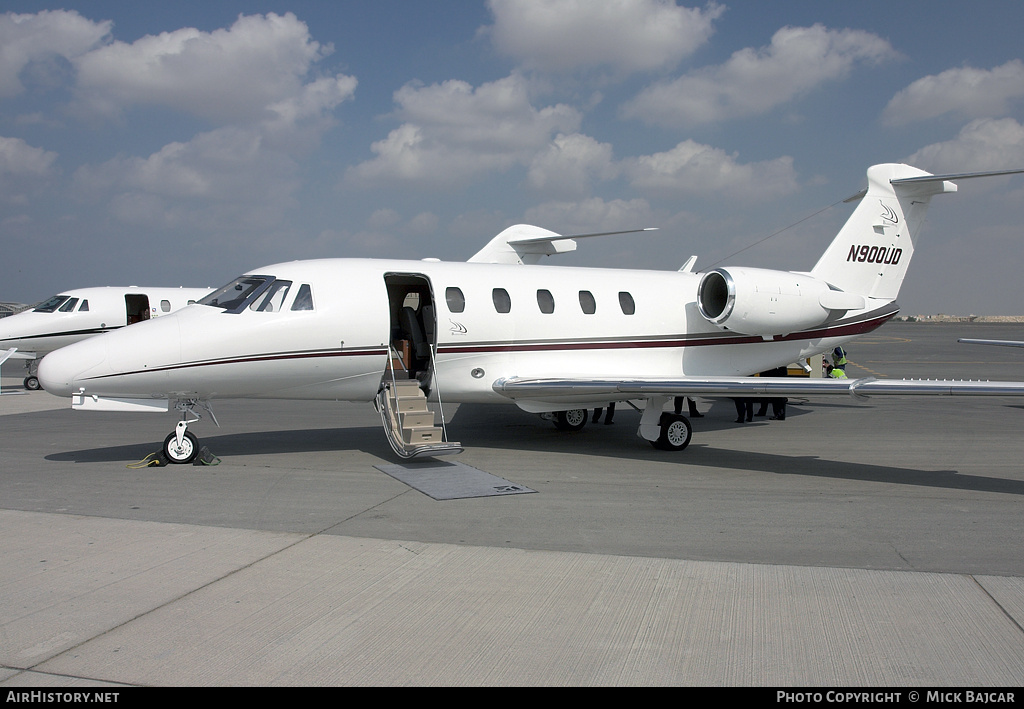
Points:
(408, 423)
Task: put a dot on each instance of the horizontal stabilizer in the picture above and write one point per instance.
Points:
(956, 176)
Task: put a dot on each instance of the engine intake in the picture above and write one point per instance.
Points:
(755, 301)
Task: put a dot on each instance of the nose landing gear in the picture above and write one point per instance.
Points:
(181, 446)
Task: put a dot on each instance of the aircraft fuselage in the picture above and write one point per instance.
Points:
(489, 321)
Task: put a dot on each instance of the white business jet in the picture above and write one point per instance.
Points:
(85, 312)
(499, 329)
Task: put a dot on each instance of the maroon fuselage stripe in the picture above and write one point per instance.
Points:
(857, 328)
(854, 328)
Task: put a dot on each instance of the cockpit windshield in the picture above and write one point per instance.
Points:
(236, 295)
(272, 299)
(51, 304)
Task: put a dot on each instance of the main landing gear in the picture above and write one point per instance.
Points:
(666, 431)
(571, 420)
(676, 433)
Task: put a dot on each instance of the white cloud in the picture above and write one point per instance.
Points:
(225, 179)
(983, 144)
(965, 92)
(19, 160)
(696, 169)
(242, 73)
(591, 215)
(454, 132)
(23, 168)
(25, 39)
(622, 36)
(755, 81)
(569, 165)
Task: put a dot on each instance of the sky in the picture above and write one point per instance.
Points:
(182, 144)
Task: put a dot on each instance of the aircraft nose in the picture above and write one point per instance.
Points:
(60, 371)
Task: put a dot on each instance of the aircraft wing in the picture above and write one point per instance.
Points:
(998, 343)
(553, 390)
(523, 243)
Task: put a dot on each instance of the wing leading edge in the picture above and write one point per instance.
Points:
(555, 390)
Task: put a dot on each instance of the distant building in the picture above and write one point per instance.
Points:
(11, 308)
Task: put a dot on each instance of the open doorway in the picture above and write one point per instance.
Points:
(137, 307)
(413, 326)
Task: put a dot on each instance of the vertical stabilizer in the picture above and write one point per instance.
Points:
(871, 253)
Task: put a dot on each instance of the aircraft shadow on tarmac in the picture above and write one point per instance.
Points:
(483, 426)
(483, 430)
(326, 440)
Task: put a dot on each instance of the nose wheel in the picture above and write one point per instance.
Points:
(182, 446)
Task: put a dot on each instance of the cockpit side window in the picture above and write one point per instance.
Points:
(272, 299)
(50, 304)
(69, 306)
(237, 294)
(84, 307)
(304, 298)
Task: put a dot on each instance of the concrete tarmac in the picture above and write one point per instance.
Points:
(852, 545)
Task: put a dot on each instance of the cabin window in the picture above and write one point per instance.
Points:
(304, 298)
(545, 301)
(626, 303)
(165, 306)
(587, 302)
(272, 300)
(501, 299)
(69, 306)
(455, 300)
(84, 307)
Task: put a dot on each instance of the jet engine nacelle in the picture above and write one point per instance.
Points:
(756, 301)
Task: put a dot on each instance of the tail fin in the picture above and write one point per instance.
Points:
(871, 253)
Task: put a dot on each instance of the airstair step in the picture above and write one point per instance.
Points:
(421, 434)
(407, 387)
(411, 404)
(409, 423)
(416, 418)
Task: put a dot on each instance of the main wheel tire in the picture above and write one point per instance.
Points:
(676, 433)
(186, 453)
(32, 383)
(571, 420)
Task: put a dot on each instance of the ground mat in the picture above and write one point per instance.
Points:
(444, 480)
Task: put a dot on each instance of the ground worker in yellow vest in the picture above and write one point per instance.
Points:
(835, 372)
(839, 363)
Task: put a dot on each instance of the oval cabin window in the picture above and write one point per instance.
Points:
(587, 302)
